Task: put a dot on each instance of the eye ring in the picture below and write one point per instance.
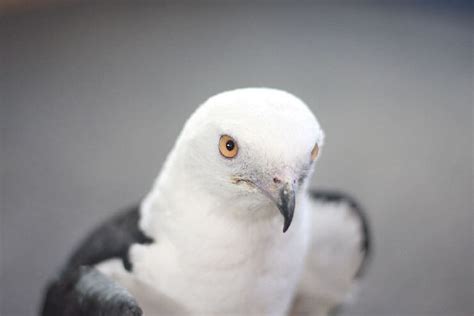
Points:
(228, 147)
(314, 152)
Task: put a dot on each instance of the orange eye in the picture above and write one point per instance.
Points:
(228, 146)
(314, 152)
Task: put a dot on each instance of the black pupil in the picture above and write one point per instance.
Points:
(229, 145)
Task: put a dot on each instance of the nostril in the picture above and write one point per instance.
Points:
(276, 180)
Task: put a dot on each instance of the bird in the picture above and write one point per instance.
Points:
(229, 227)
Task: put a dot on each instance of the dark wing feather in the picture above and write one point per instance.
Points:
(82, 290)
(86, 291)
(112, 239)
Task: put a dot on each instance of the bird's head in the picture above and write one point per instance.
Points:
(252, 147)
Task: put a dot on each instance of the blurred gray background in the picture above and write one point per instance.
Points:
(94, 95)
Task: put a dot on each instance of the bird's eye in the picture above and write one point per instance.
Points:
(314, 152)
(228, 146)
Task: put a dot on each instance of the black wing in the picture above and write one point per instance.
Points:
(82, 290)
(359, 212)
(86, 291)
(112, 239)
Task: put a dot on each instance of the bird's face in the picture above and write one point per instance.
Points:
(254, 146)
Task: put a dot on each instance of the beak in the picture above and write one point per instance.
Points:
(286, 204)
(284, 198)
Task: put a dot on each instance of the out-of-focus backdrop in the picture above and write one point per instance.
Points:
(93, 96)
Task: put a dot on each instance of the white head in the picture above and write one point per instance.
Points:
(250, 147)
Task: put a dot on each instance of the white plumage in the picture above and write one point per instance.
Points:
(219, 247)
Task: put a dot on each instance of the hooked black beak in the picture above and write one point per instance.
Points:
(284, 199)
(286, 204)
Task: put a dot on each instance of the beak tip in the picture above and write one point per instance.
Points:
(286, 224)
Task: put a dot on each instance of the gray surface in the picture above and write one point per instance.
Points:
(94, 97)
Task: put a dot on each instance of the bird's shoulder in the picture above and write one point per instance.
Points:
(340, 247)
(340, 225)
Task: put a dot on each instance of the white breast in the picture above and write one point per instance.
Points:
(232, 268)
